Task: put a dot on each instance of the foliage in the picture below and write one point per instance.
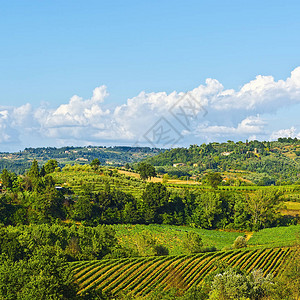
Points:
(155, 199)
(7, 179)
(213, 179)
(109, 197)
(50, 166)
(52, 218)
(232, 285)
(19, 162)
(146, 170)
(75, 243)
(172, 237)
(240, 242)
(34, 170)
(147, 245)
(264, 163)
(263, 207)
(43, 276)
(193, 242)
(95, 164)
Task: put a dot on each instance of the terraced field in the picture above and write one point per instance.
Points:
(140, 276)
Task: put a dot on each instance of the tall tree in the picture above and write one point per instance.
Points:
(146, 170)
(6, 179)
(155, 200)
(213, 179)
(50, 166)
(263, 207)
(34, 170)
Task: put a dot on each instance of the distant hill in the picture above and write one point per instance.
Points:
(262, 163)
(18, 162)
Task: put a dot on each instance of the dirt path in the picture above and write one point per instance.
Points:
(248, 235)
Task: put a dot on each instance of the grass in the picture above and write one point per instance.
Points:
(276, 237)
(172, 236)
(292, 205)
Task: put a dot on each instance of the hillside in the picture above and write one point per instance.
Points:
(254, 162)
(143, 276)
(119, 233)
(18, 162)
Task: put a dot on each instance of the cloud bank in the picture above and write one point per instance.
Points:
(207, 113)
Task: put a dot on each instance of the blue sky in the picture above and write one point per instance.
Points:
(53, 50)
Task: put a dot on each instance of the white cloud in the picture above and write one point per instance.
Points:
(291, 132)
(246, 128)
(79, 118)
(231, 114)
(8, 134)
(4, 136)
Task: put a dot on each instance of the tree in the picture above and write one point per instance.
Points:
(263, 207)
(43, 276)
(95, 164)
(50, 166)
(155, 199)
(6, 179)
(207, 210)
(147, 245)
(146, 170)
(213, 179)
(82, 209)
(165, 178)
(34, 171)
(42, 171)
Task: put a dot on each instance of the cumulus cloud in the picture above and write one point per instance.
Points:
(78, 118)
(290, 132)
(248, 128)
(208, 112)
(8, 134)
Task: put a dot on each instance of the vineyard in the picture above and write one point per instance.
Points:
(140, 276)
(75, 176)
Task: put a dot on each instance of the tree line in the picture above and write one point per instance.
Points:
(36, 198)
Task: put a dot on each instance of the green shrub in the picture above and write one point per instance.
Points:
(240, 242)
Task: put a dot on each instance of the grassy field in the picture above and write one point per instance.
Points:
(172, 236)
(292, 205)
(141, 276)
(276, 237)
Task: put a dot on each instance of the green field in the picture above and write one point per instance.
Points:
(276, 237)
(172, 236)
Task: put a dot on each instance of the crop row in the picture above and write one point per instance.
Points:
(140, 276)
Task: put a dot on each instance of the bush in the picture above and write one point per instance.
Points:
(240, 242)
(193, 242)
(231, 285)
